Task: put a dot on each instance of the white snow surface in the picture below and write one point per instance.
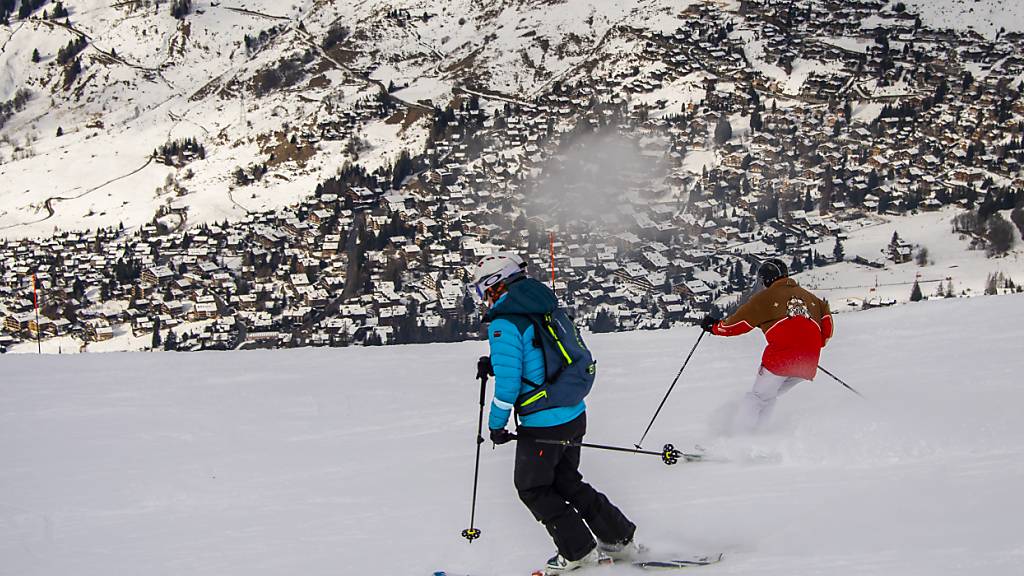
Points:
(360, 461)
(986, 17)
(950, 262)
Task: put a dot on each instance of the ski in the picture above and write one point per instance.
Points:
(697, 560)
(674, 562)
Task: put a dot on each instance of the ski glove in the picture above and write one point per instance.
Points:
(501, 436)
(708, 323)
(484, 368)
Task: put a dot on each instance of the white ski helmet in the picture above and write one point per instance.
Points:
(491, 270)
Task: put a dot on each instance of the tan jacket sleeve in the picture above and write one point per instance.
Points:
(748, 317)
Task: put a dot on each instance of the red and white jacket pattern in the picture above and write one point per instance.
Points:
(796, 323)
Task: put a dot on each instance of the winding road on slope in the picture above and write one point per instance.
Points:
(11, 35)
(48, 203)
(308, 39)
(254, 13)
(113, 56)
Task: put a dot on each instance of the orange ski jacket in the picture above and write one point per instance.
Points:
(796, 324)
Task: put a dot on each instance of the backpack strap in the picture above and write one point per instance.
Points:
(544, 334)
(558, 342)
(530, 383)
(538, 342)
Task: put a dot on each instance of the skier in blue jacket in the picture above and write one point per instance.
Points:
(547, 476)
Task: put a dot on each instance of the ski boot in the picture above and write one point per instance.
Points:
(558, 564)
(629, 550)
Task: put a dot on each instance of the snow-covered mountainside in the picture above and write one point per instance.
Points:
(985, 18)
(281, 96)
(290, 90)
(366, 154)
(360, 461)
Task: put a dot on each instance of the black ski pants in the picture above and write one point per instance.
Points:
(549, 482)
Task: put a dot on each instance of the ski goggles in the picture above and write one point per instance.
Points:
(478, 290)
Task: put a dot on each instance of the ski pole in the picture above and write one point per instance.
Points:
(658, 411)
(472, 533)
(836, 378)
(669, 455)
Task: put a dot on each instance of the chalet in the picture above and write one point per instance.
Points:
(18, 323)
(635, 275)
(900, 251)
(204, 308)
(695, 289)
(656, 260)
(42, 327)
(173, 308)
(141, 326)
(157, 275)
(360, 196)
(97, 330)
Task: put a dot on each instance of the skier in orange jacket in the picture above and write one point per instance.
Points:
(796, 324)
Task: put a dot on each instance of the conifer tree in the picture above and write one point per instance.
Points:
(780, 244)
(181, 8)
(157, 340)
(922, 256)
(838, 253)
(999, 234)
(171, 342)
(756, 122)
(992, 285)
(72, 72)
(603, 322)
(723, 131)
(915, 292)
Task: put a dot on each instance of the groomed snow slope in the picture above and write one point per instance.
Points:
(359, 461)
(986, 17)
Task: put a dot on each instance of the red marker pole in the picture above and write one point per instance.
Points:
(35, 304)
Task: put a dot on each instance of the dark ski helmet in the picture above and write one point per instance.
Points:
(771, 270)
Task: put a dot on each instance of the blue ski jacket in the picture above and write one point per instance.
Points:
(514, 355)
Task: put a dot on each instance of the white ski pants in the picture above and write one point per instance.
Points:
(756, 408)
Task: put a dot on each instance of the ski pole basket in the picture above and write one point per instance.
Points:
(669, 454)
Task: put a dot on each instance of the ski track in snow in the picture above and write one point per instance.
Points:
(339, 461)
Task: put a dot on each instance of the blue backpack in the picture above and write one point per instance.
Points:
(569, 367)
